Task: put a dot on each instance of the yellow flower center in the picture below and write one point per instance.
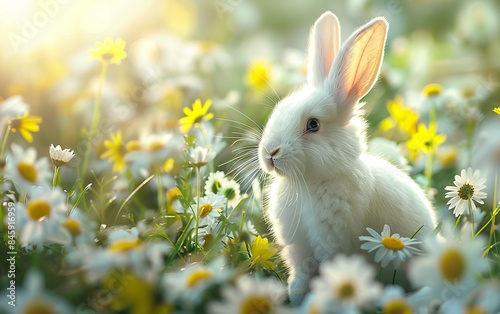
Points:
(397, 306)
(27, 171)
(107, 56)
(156, 146)
(474, 309)
(207, 46)
(73, 226)
(198, 276)
(204, 210)
(133, 146)
(432, 90)
(393, 243)
(38, 210)
(313, 310)
(466, 191)
(256, 305)
(58, 162)
(468, 92)
(346, 291)
(452, 265)
(38, 307)
(124, 245)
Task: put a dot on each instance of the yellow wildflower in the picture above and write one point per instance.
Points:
(109, 51)
(401, 116)
(496, 110)
(196, 115)
(258, 75)
(26, 125)
(262, 253)
(426, 140)
(115, 151)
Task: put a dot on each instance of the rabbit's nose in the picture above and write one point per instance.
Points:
(274, 152)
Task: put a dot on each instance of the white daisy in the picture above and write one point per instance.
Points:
(251, 295)
(215, 181)
(209, 208)
(394, 300)
(189, 284)
(231, 191)
(80, 228)
(390, 248)
(25, 170)
(206, 137)
(60, 156)
(33, 297)
(484, 299)
(12, 107)
(150, 151)
(200, 156)
(466, 191)
(41, 217)
(125, 250)
(346, 283)
(451, 264)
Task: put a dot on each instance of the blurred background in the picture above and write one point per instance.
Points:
(178, 51)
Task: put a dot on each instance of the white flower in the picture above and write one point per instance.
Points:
(80, 228)
(484, 299)
(390, 248)
(346, 284)
(151, 151)
(60, 156)
(394, 300)
(466, 191)
(206, 137)
(189, 284)
(124, 251)
(33, 297)
(39, 220)
(25, 170)
(12, 107)
(200, 156)
(215, 181)
(451, 264)
(251, 295)
(231, 191)
(209, 208)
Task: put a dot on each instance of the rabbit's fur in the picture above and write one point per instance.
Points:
(326, 189)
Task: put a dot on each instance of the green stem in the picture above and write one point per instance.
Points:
(198, 192)
(394, 276)
(161, 193)
(95, 118)
(471, 217)
(56, 173)
(4, 143)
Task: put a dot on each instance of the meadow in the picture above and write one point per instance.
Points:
(130, 179)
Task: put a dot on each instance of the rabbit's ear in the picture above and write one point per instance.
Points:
(324, 43)
(357, 66)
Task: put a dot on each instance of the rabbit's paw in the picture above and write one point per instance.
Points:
(297, 289)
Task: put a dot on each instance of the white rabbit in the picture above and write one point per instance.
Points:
(326, 189)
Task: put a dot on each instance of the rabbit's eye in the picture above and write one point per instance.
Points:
(312, 125)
